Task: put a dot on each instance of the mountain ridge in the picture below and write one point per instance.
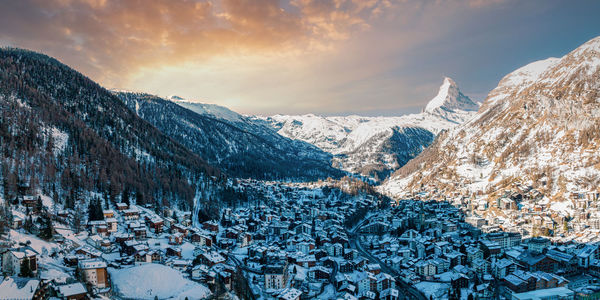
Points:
(540, 126)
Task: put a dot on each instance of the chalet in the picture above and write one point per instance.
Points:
(29, 201)
(210, 226)
(319, 273)
(111, 224)
(73, 291)
(87, 252)
(148, 256)
(173, 251)
(179, 228)
(140, 232)
(212, 258)
(121, 206)
(17, 223)
(93, 272)
(290, 294)
(13, 260)
(108, 213)
(22, 288)
(201, 239)
(131, 214)
(389, 294)
(176, 238)
(156, 225)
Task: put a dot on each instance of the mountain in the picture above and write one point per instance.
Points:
(376, 146)
(540, 127)
(65, 136)
(238, 145)
(451, 104)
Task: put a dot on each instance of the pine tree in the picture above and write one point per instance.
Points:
(28, 224)
(25, 269)
(125, 196)
(39, 206)
(47, 228)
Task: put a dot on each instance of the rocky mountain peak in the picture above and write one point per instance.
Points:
(450, 98)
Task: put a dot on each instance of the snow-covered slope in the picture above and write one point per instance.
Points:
(539, 127)
(231, 141)
(213, 110)
(376, 145)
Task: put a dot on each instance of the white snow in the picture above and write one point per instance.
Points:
(436, 290)
(208, 109)
(449, 97)
(150, 280)
(354, 137)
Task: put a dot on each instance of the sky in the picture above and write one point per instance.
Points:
(327, 57)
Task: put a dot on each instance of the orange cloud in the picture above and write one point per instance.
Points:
(110, 39)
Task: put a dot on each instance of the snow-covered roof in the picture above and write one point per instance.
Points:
(72, 289)
(92, 264)
(18, 288)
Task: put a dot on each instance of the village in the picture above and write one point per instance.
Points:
(300, 241)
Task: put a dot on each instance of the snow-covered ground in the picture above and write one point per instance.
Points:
(434, 290)
(153, 280)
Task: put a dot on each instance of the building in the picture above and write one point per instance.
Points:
(12, 260)
(290, 294)
(22, 288)
(275, 276)
(562, 293)
(73, 291)
(93, 271)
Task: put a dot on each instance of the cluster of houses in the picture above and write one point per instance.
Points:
(296, 246)
(434, 244)
(296, 243)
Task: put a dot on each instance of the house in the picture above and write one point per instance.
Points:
(201, 239)
(108, 213)
(111, 224)
(29, 201)
(22, 288)
(131, 214)
(503, 267)
(73, 291)
(13, 260)
(275, 276)
(319, 273)
(16, 223)
(290, 294)
(121, 206)
(553, 293)
(210, 226)
(212, 258)
(93, 271)
(176, 238)
(389, 294)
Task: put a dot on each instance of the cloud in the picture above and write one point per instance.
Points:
(109, 40)
(255, 56)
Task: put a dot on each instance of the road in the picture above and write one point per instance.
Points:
(404, 287)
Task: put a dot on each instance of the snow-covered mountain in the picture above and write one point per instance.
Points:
(378, 145)
(540, 127)
(64, 135)
(235, 143)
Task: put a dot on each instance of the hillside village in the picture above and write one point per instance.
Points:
(299, 241)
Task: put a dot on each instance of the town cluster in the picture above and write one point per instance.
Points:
(298, 241)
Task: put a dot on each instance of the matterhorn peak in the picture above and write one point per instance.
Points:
(450, 99)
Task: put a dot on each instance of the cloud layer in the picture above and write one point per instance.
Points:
(260, 56)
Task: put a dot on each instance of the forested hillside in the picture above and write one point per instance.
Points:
(234, 143)
(67, 136)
